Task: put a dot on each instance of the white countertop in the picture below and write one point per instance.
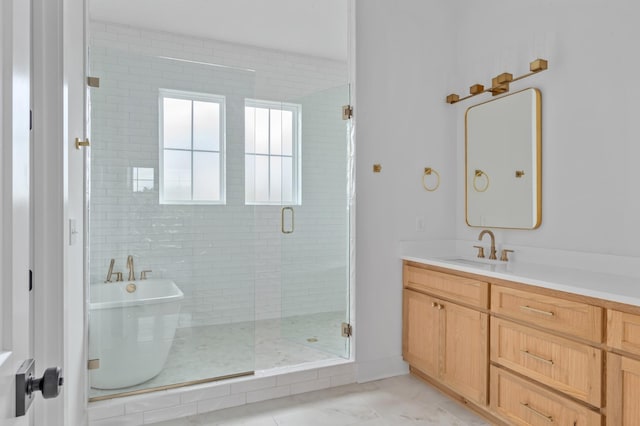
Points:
(614, 278)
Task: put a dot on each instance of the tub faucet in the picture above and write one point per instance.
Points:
(110, 272)
(492, 254)
(132, 274)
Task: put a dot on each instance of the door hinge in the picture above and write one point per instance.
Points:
(93, 364)
(347, 112)
(347, 330)
(93, 81)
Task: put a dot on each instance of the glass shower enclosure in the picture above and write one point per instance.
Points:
(218, 207)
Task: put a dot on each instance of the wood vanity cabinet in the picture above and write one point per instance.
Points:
(623, 370)
(518, 354)
(445, 340)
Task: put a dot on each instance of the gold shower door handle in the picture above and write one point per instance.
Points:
(282, 214)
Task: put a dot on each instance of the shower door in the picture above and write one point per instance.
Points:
(172, 243)
(315, 243)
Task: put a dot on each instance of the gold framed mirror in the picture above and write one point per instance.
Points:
(503, 162)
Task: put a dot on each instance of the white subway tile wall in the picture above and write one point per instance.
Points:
(231, 261)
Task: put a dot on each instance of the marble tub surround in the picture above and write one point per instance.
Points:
(608, 277)
(402, 400)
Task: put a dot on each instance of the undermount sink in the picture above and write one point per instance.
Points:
(489, 265)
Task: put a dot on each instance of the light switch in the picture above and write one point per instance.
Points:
(73, 232)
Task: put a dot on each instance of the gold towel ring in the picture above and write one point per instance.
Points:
(479, 174)
(428, 171)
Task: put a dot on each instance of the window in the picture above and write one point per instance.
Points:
(272, 152)
(192, 141)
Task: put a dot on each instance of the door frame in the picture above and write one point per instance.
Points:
(58, 182)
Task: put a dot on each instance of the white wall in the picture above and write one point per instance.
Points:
(590, 112)
(404, 60)
(410, 55)
(231, 261)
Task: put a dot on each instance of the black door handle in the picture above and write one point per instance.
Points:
(26, 385)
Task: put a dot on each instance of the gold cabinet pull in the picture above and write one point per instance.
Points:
(282, 228)
(537, 357)
(536, 412)
(537, 311)
(81, 143)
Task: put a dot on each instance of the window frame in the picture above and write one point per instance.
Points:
(192, 96)
(296, 150)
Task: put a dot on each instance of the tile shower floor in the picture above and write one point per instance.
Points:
(219, 350)
(398, 401)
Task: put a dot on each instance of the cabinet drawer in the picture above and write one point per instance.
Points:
(578, 319)
(521, 402)
(570, 367)
(623, 331)
(464, 290)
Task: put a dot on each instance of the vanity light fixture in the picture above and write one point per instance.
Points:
(500, 83)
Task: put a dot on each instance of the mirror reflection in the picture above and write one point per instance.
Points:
(503, 162)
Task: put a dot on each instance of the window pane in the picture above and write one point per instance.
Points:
(177, 175)
(262, 131)
(287, 179)
(262, 178)
(250, 130)
(206, 126)
(177, 123)
(276, 132)
(206, 176)
(276, 181)
(250, 178)
(287, 133)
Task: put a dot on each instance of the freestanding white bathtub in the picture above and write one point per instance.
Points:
(131, 329)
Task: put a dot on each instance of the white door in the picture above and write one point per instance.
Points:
(16, 327)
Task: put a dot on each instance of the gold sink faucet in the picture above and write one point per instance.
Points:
(132, 275)
(492, 254)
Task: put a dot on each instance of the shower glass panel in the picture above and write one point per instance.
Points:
(315, 225)
(172, 243)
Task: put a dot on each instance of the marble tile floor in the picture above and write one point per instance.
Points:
(219, 350)
(397, 401)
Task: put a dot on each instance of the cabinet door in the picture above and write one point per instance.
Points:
(623, 391)
(420, 332)
(465, 352)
